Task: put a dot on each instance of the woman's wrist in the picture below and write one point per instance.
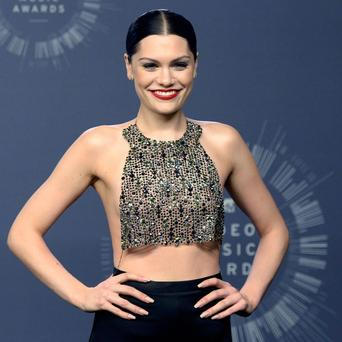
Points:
(251, 300)
(78, 298)
(251, 304)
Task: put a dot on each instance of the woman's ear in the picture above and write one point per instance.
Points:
(128, 67)
(196, 64)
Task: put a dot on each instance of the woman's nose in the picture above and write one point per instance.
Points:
(165, 77)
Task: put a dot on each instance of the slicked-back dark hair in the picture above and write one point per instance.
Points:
(159, 21)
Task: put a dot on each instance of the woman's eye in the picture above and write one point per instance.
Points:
(149, 65)
(153, 65)
(181, 65)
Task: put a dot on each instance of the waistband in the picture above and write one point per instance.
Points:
(171, 286)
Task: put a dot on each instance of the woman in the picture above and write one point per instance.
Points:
(160, 177)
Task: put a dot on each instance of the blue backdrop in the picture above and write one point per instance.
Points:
(270, 69)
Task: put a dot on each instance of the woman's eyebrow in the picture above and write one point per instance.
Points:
(176, 59)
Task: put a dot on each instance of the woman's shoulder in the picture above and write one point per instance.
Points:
(100, 135)
(218, 130)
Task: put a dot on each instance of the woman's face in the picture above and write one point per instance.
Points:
(162, 62)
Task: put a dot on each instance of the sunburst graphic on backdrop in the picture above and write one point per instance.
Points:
(42, 32)
(291, 310)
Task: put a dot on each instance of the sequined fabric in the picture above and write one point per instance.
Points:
(170, 191)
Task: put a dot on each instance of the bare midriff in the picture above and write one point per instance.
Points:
(181, 262)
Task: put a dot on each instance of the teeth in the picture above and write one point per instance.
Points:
(165, 93)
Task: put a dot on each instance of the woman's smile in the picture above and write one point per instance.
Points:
(165, 94)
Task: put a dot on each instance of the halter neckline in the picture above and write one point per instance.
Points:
(162, 142)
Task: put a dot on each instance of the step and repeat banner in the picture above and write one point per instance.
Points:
(270, 69)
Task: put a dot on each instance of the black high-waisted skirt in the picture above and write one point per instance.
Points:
(172, 316)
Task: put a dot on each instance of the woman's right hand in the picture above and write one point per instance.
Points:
(105, 296)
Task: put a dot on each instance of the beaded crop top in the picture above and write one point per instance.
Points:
(170, 191)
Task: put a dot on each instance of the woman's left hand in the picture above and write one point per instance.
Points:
(233, 300)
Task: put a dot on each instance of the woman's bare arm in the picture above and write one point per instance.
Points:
(249, 192)
(72, 175)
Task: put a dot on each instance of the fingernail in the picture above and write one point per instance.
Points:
(199, 285)
(150, 300)
(202, 315)
(196, 305)
(131, 316)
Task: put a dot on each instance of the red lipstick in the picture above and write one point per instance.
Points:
(172, 93)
